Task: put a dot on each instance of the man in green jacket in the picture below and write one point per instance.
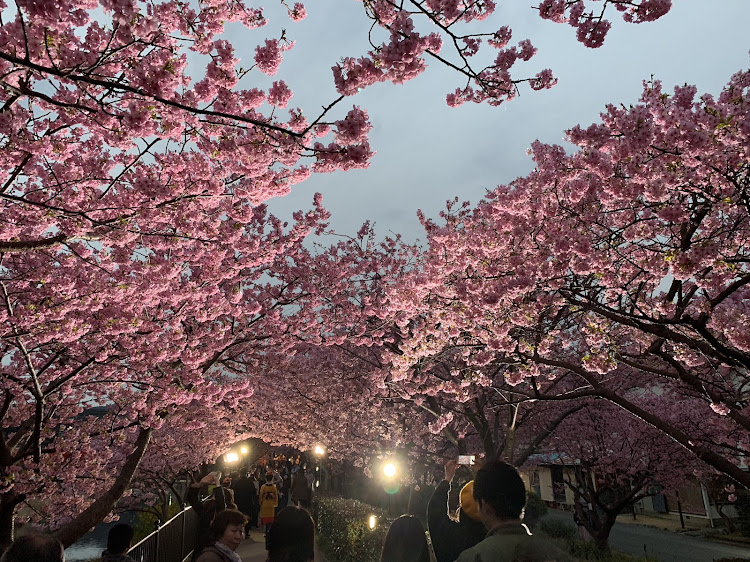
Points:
(501, 496)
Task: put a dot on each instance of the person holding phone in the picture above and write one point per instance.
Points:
(451, 536)
(466, 460)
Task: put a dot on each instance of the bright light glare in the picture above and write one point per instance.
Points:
(232, 457)
(319, 450)
(243, 450)
(373, 521)
(389, 469)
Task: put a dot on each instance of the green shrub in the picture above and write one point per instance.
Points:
(343, 531)
(535, 509)
(583, 550)
(557, 529)
(144, 523)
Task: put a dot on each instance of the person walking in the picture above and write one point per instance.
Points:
(286, 484)
(301, 491)
(269, 499)
(244, 492)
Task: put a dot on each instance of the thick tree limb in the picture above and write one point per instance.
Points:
(103, 505)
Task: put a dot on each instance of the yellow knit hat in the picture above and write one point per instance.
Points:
(468, 503)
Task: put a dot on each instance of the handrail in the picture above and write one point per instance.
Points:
(155, 531)
(170, 542)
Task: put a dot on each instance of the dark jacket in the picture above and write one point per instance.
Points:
(244, 490)
(511, 543)
(300, 488)
(450, 538)
(212, 554)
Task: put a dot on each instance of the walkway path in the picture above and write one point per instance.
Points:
(253, 549)
(665, 546)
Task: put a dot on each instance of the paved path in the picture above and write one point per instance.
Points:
(253, 549)
(666, 546)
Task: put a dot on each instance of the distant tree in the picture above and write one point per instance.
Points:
(613, 462)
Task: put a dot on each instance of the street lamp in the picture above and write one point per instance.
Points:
(319, 451)
(243, 449)
(373, 521)
(231, 456)
(389, 469)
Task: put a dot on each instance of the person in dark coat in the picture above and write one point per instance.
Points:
(244, 493)
(451, 537)
(286, 484)
(255, 506)
(221, 499)
(301, 491)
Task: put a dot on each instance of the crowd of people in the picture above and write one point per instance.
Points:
(486, 528)
(274, 496)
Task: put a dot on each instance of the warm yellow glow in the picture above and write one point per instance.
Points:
(373, 521)
(389, 469)
(243, 450)
(319, 450)
(231, 456)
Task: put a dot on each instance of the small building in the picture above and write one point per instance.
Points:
(547, 480)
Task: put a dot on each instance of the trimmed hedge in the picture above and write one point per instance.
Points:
(343, 531)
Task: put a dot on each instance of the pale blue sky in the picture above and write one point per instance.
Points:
(428, 153)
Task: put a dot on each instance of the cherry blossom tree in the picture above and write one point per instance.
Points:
(196, 437)
(450, 25)
(482, 415)
(622, 265)
(615, 461)
(139, 270)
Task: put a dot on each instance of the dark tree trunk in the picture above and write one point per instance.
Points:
(600, 535)
(103, 505)
(8, 503)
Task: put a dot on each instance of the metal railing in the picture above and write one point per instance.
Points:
(171, 542)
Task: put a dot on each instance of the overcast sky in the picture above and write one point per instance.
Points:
(427, 153)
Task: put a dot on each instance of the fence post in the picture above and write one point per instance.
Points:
(182, 538)
(156, 540)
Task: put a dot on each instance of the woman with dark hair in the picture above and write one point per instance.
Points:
(228, 532)
(292, 536)
(406, 541)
